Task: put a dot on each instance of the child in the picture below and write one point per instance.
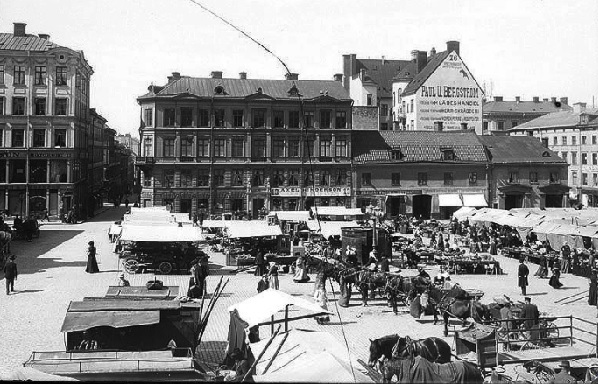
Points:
(263, 284)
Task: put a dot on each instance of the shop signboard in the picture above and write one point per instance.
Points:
(311, 191)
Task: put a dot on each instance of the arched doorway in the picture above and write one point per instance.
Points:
(513, 201)
(422, 206)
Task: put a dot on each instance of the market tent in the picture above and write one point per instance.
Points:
(330, 228)
(181, 217)
(31, 374)
(449, 200)
(336, 211)
(213, 224)
(463, 213)
(291, 215)
(253, 228)
(306, 356)
(115, 229)
(81, 321)
(488, 215)
(160, 233)
(474, 200)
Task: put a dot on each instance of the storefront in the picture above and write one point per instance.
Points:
(289, 198)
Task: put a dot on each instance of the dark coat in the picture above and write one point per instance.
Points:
(92, 264)
(10, 270)
(523, 272)
(529, 311)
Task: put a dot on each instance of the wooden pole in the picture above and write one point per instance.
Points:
(272, 326)
(571, 330)
(286, 318)
(276, 352)
(261, 354)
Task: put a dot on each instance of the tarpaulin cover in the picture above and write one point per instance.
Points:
(474, 200)
(264, 305)
(109, 304)
(253, 228)
(115, 229)
(330, 228)
(337, 211)
(81, 321)
(449, 200)
(213, 224)
(291, 215)
(160, 233)
(464, 212)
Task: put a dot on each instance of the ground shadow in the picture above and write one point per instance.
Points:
(566, 288)
(17, 292)
(536, 294)
(340, 323)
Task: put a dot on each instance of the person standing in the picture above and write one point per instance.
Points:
(565, 254)
(564, 376)
(122, 282)
(384, 264)
(92, 264)
(260, 262)
(523, 273)
(273, 275)
(10, 274)
(554, 281)
(530, 314)
(263, 284)
(195, 218)
(592, 292)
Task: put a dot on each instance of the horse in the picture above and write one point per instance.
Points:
(433, 349)
(382, 347)
(419, 370)
(458, 304)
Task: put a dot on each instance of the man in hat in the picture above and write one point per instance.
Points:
(566, 256)
(530, 313)
(564, 376)
(10, 274)
(122, 282)
(523, 273)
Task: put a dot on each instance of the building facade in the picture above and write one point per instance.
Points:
(226, 145)
(501, 115)
(44, 111)
(573, 134)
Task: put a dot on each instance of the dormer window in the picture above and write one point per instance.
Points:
(259, 90)
(545, 154)
(396, 154)
(219, 90)
(293, 91)
(448, 154)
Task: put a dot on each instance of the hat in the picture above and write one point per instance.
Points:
(527, 298)
(12, 257)
(565, 364)
(90, 243)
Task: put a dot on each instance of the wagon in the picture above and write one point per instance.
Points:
(161, 257)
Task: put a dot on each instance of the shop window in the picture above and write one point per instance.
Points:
(366, 178)
(38, 171)
(58, 171)
(17, 171)
(396, 179)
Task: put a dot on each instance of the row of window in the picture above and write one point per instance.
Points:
(281, 147)
(19, 105)
(500, 125)
(422, 178)
(584, 178)
(17, 138)
(553, 177)
(584, 157)
(38, 171)
(40, 75)
(584, 140)
(190, 117)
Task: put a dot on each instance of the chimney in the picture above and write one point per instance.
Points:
(414, 55)
(383, 60)
(44, 36)
(579, 107)
(432, 51)
(565, 100)
(362, 74)
(452, 46)
(349, 69)
(243, 75)
(19, 29)
(338, 77)
(421, 61)
(291, 76)
(497, 98)
(545, 99)
(176, 75)
(553, 99)
(169, 78)
(216, 75)
(518, 99)
(536, 99)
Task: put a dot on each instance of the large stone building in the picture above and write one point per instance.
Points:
(573, 134)
(243, 145)
(501, 115)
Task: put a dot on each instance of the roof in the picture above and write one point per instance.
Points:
(330, 228)
(428, 70)
(567, 118)
(512, 107)
(166, 233)
(241, 88)
(336, 211)
(408, 72)
(519, 149)
(291, 215)
(10, 42)
(416, 146)
(253, 228)
(382, 74)
(81, 321)
(110, 304)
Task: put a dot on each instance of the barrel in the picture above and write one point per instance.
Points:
(355, 244)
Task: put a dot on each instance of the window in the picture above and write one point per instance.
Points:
(366, 178)
(422, 178)
(2, 106)
(149, 114)
(186, 178)
(19, 75)
(555, 140)
(325, 118)
(293, 148)
(237, 118)
(147, 146)
(220, 148)
(278, 117)
(237, 177)
(278, 147)
(219, 177)
(384, 126)
(219, 118)
(341, 119)
(147, 179)
(18, 138)
(168, 147)
(169, 116)
(514, 124)
(574, 158)
(40, 75)
(463, 126)
(595, 179)
(61, 106)
(396, 154)
(584, 178)
(1, 74)
(340, 148)
(500, 125)
(584, 140)
(448, 154)
(325, 147)
(485, 126)
(168, 178)
(533, 177)
(18, 106)
(258, 177)
(258, 149)
(555, 177)
(411, 108)
(203, 178)
(573, 140)
(594, 158)
(369, 99)
(60, 75)
(564, 140)
(293, 177)
(473, 178)
(403, 107)
(325, 178)
(187, 146)
(203, 148)
(383, 109)
(203, 118)
(258, 118)
(40, 106)
(574, 177)
(513, 177)
(584, 158)
(277, 178)
(293, 119)
(238, 147)
(186, 117)
(309, 178)
(38, 171)
(396, 178)
(565, 155)
(39, 138)
(308, 119)
(544, 141)
(593, 139)
(341, 177)
(448, 178)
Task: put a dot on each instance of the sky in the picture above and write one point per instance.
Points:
(545, 48)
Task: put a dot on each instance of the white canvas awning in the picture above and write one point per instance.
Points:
(330, 228)
(337, 211)
(213, 224)
(449, 200)
(160, 233)
(291, 215)
(250, 228)
(463, 213)
(474, 200)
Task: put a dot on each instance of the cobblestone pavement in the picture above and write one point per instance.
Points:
(52, 274)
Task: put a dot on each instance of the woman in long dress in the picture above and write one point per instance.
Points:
(320, 296)
(92, 264)
(554, 281)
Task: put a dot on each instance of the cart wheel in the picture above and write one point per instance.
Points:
(131, 265)
(165, 267)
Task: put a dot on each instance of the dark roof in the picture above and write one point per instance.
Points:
(408, 72)
(238, 88)
(519, 149)
(382, 74)
(416, 146)
(10, 42)
(568, 118)
(421, 77)
(530, 107)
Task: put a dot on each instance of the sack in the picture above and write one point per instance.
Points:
(154, 285)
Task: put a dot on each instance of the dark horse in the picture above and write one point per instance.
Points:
(393, 346)
(419, 370)
(457, 303)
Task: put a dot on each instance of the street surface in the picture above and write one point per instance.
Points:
(52, 273)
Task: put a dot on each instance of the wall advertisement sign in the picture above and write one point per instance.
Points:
(311, 191)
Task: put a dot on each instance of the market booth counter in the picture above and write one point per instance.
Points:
(239, 235)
